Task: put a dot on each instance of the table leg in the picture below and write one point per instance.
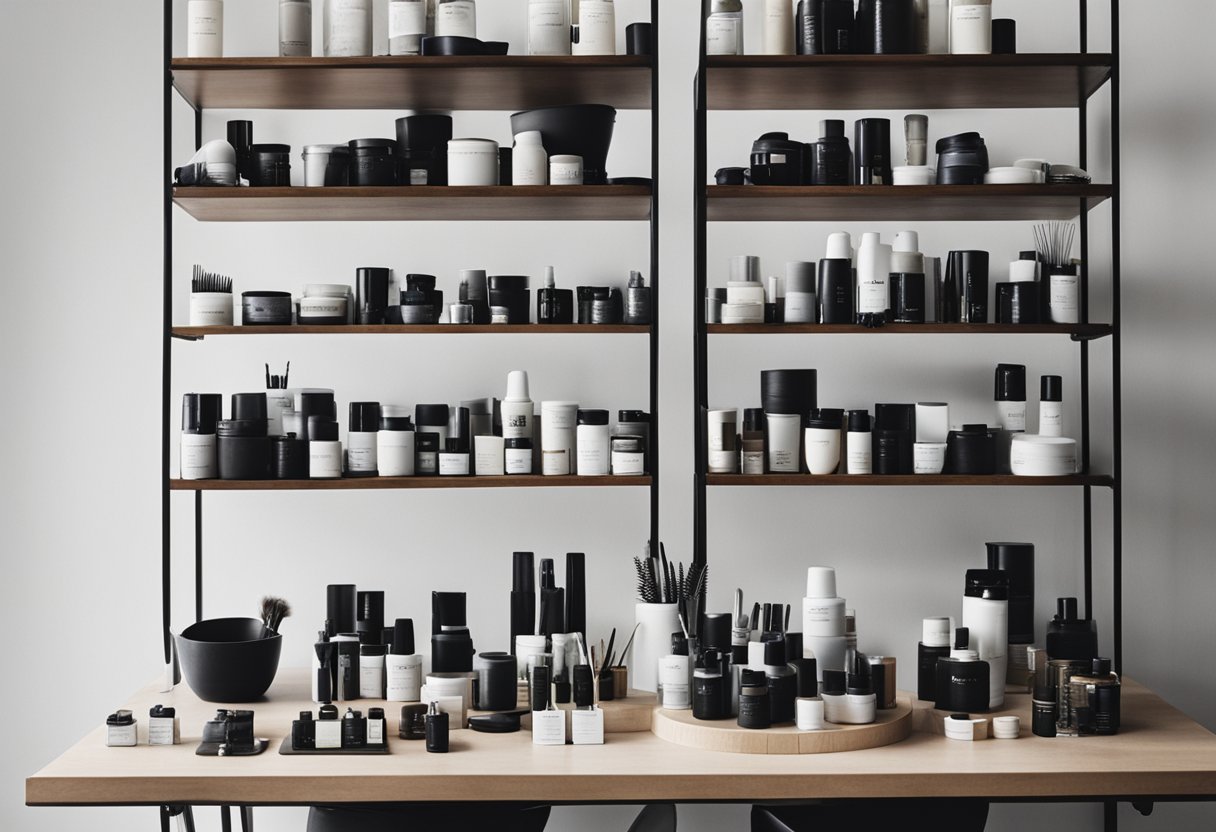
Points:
(226, 818)
(1110, 816)
(246, 818)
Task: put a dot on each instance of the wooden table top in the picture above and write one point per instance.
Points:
(1160, 752)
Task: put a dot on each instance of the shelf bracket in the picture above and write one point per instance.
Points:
(187, 337)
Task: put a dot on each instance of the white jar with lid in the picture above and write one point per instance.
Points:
(557, 431)
(595, 28)
(456, 18)
(592, 443)
(529, 161)
(565, 170)
(316, 160)
(295, 28)
(205, 29)
(548, 27)
(395, 442)
(970, 27)
(406, 26)
(472, 162)
(347, 28)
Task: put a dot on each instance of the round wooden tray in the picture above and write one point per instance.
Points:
(681, 728)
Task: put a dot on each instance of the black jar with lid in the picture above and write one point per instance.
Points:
(373, 163)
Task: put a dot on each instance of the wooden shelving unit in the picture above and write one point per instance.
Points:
(1075, 331)
(904, 481)
(200, 332)
(410, 483)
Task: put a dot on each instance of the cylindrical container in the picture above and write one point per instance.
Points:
(205, 29)
(971, 451)
(907, 300)
(754, 709)
(986, 617)
(970, 27)
(724, 28)
(872, 151)
(243, 449)
(371, 671)
(557, 440)
(1043, 708)
(496, 677)
(395, 443)
(628, 455)
(433, 418)
(347, 28)
(472, 162)
(873, 275)
(324, 449)
(1004, 36)
(323, 311)
(674, 680)
(548, 27)
(783, 445)
(858, 444)
(270, 165)
(777, 28)
(511, 291)
(1017, 303)
(371, 294)
(373, 163)
(517, 456)
(517, 408)
(362, 439)
(782, 681)
(836, 294)
(708, 694)
(961, 159)
(1051, 406)
(788, 391)
(456, 18)
(928, 457)
(1064, 295)
(652, 641)
(838, 27)
(808, 27)
(295, 28)
(886, 27)
(211, 309)
(722, 436)
(934, 645)
(968, 271)
(437, 730)
(316, 162)
(404, 676)
(200, 415)
(595, 28)
(337, 172)
(592, 443)
(406, 26)
(635, 424)
(1010, 396)
(821, 436)
(531, 162)
(565, 169)
(963, 683)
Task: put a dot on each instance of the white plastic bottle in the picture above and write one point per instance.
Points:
(823, 626)
(873, 271)
(595, 27)
(548, 27)
(859, 452)
(457, 18)
(591, 443)
(295, 28)
(406, 26)
(530, 162)
(517, 410)
(986, 617)
(205, 29)
(347, 28)
(778, 29)
(970, 27)
(724, 28)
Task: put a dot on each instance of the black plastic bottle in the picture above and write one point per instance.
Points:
(836, 20)
(808, 35)
(753, 701)
(1070, 637)
(436, 730)
(304, 733)
(782, 682)
(708, 692)
(934, 645)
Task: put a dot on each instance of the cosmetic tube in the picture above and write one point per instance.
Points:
(1010, 397)
(808, 34)
(859, 447)
(1051, 406)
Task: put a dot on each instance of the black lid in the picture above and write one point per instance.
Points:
(432, 414)
(248, 406)
(962, 638)
(593, 417)
(403, 637)
(1010, 382)
(584, 690)
(834, 681)
(305, 716)
(1004, 36)
(1044, 691)
(508, 282)
(895, 417)
(426, 441)
(831, 128)
(808, 685)
(383, 145)
(832, 421)
(241, 427)
(327, 711)
(1028, 255)
(161, 712)
(715, 631)
(396, 423)
(774, 653)
(458, 426)
(418, 282)
(448, 609)
(679, 644)
(1066, 609)
(321, 429)
(201, 412)
(989, 584)
(753, 419)
(1051, 389)
(317, 403)
(274, 149)
(1016, 560)
(859, 684)
(753, 679)
(633, 416)
(1101, 666)
(364, 417)
(859, 421)
(414, 297)
(793, 646)
(375, 713)
(373, 650)
(240, 133)
(518, 444)
(265, 294)
(959, 140)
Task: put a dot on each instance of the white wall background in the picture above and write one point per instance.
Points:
(81, 254)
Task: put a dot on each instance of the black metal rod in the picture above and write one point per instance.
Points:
(700, 346)
(1117, 337)
(198, 128)
(1087, 521)
(166, 330)
(1110, 816)
(225, 818)
(198, 555)
(652, 452)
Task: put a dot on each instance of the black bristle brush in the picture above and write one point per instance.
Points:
(274, 610)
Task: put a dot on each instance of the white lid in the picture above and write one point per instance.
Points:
(870, 239)
(326, 290)
(820, 582)
(324, 149)
(396, 411)
(558, 406)
(840, 246)
(517, 386)
(566, 159)
(473, 142)
(529, 137)
(1044, 447)
(550, 279)
(1022, 271)
(935, 632)
(965, 655)
(907, 242)
(721, 417)
(1006, 727)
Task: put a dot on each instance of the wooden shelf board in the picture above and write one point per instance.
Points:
(419, 203)
(903, 82)
(1085, 331)
(397, 483)
(1159, 751)
(853, 203)
(200, 332)
(955, 480)
(512, 82)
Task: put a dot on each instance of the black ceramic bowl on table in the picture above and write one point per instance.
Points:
(229, 659)
(577, 130)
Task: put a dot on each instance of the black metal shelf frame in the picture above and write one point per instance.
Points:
(700, 351)
(167, 337)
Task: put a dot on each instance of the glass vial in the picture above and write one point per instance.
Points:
(595, 28)
(205, 29)
(456, 18)
(724, 28)
(347, 28)
(295, 28)
(970, 27)
(406, 26)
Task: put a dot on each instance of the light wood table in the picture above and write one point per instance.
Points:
(1160, 753)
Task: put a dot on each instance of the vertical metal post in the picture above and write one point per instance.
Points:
(700, 345)
(1117, 338)
(198, 556)
(166, 327)
(1083, 221)
(652, 453)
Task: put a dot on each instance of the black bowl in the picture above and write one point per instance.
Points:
(227, 659)
(451, 45)
(577, 130)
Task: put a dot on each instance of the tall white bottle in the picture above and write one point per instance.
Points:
(517, 411)
(595, 27)
(873, 272)
(778, 28)
(986, 616)
(823, 627)
(548, 27)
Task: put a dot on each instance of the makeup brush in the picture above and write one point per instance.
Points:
(274, 610)
(204, 281)
(628, 644)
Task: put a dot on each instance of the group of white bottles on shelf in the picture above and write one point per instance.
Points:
(555, 27)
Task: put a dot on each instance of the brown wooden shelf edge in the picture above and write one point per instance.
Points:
(404, 483)
(939, 480)
(197, 333)
(1079, 331)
